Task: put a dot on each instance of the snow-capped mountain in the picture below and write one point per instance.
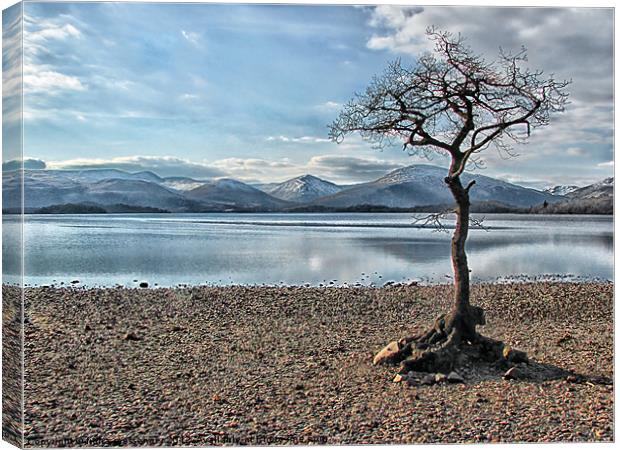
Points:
(303, 189)
(48, 187)
(233, 194)
(416, 185)
(182, 183)
(602, 189)
(423, 184)
(92, 175)
(561, 190)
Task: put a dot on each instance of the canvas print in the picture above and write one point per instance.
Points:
(250, 224)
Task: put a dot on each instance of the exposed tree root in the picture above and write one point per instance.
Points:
(451, 347)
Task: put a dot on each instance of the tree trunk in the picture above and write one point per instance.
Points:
(462, 318)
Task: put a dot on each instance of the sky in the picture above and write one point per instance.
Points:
(247, 91)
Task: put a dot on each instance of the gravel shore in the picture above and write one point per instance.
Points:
(287, 365)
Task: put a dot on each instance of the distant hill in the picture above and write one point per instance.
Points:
(561, 190)
(597, 198)
(417, 187)
(424, 184)
(228, 194)
(601, 190)
(303, 189)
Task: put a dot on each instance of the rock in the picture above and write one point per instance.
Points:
(513, 374)
(87, 327)
(454, 377)
(440, 378)
(144, 284)
(398, 378)
(414, 374)
(75, 282)
(428, 380)
(572, 379)
(387, 354)
(513, 355)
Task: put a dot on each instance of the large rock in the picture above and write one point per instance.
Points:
(388, 354)
(429, 379)
(454, 377)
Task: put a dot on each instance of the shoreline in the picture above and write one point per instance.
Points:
(285, 365)
(76, 283)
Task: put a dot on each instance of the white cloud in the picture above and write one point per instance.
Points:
(298, 140)
(49, 82)
(329, 106)
(54, 32)
(336, 168)
(189, 97)
(606, 164)
(39, 78)
(192, 37)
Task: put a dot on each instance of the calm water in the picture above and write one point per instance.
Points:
(169, 249)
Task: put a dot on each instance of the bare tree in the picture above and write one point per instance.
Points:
(454, 102)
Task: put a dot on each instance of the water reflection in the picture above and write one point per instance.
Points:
(249, 249)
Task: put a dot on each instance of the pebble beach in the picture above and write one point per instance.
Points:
(203, 366)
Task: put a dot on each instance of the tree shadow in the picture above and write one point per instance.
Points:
(530, 372)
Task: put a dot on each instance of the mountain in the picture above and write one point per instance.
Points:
(597, 198)
(136, 193)
(423, 184)
(601, 190)
(303, 189)
(417, 186)
(561, 190)
(182, 183)
(44, 188)
(41, 189)
(91, 175)
(231, 194)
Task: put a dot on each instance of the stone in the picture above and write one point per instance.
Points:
(513, 374)
(454, 377)
(144, 284)
(440, 378)
(428, 379)
(399, 378)
(387, 354)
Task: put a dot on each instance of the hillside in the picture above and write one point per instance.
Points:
(423, 184)
(416, 187)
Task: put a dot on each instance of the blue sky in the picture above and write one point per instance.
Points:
(247, 91)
